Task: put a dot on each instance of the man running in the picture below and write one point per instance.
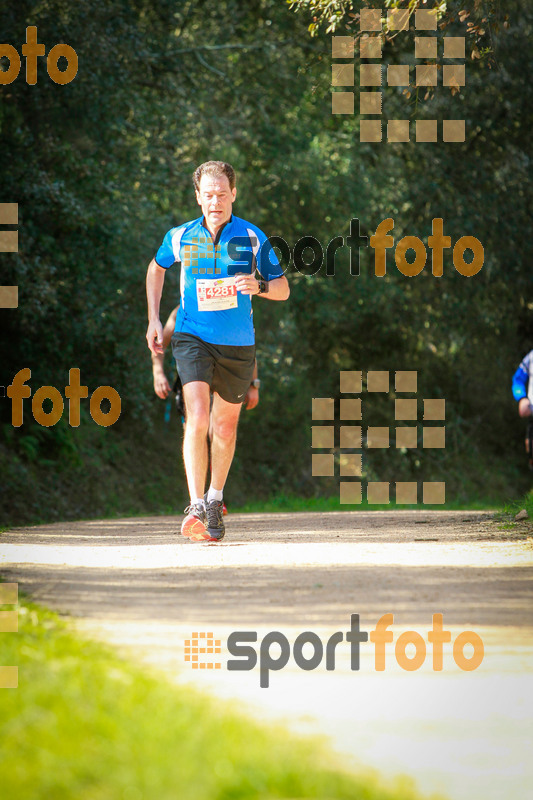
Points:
(214, 340)
(162, 386)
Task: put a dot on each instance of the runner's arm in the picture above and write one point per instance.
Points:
(155, 278)
(252, 395)
(278, 288)
(161, 384)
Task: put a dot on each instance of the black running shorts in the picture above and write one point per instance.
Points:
(226, 368)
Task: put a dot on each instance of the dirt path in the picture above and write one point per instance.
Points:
(133, 583)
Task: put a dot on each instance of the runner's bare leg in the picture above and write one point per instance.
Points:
(225, 418)
(197, 401)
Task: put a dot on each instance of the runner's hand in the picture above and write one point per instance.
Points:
(252, 398)
(161, 386)
(154, 337)
(246, 283)
(524, 407)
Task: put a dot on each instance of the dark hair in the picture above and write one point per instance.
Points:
(216, 169)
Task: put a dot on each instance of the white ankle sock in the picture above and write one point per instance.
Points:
(213, 494)
(198, 502)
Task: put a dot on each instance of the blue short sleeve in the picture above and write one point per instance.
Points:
(521, 378)
(165, 255)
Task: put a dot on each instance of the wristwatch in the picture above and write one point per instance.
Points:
(263, 287)
(256, 383)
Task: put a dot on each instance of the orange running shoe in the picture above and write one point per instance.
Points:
(194, 526)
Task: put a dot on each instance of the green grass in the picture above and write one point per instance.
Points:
(512, 507)
(85, 724)
(290, 503)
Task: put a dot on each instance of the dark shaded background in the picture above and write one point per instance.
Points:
(101, 169)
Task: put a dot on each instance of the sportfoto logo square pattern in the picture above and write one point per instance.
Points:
(372, 77)
(192, 252)
(8, 624)
(405, 436)
(202, 643)
(9, 243)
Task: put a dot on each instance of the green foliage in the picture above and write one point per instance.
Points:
(482, 18)
(102, 169)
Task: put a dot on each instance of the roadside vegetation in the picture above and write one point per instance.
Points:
(85, 724)
(101, 170)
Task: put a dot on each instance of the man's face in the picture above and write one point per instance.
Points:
(216, 199)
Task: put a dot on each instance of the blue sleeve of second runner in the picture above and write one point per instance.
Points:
(520, 381)
(165, 255)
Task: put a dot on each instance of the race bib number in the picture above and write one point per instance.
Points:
(216, 295)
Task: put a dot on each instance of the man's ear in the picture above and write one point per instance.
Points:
(233, 194)
(198, 197)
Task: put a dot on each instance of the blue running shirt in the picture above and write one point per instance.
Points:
(522, 385)
(205, 278)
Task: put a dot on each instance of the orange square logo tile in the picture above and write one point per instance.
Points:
(200, 645)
